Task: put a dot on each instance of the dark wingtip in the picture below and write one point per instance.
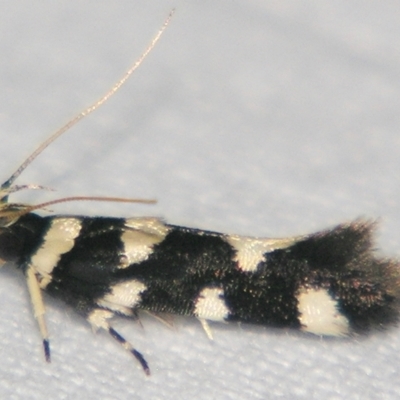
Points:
(344, 260)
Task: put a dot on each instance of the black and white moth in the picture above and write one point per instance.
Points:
(327, 283)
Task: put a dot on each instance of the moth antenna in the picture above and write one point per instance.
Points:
(11, 212)
(89, 198)
(6, 185)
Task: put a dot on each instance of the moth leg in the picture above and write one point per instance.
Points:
(98, 319)
(127, 346)
(165, 319)
(206, 328)
(38, 309)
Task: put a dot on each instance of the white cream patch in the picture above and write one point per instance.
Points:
(139, 237)
(59, 239)
(319, 313)
(210, 305)
(123, 297)
(98, 319)
(251, 251)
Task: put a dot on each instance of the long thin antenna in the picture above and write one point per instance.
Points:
(91, 108)
(11, 212)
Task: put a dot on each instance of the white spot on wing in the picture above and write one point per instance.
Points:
(319, 313)
(123, 296)
(139, 237)
(210, 305)
(59, 239)
(251, 251)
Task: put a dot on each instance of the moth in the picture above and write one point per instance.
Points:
(327, 283)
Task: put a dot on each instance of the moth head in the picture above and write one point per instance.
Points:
(10, 212)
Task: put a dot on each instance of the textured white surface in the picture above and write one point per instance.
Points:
(255, 118)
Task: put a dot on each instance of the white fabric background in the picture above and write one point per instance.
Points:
(267, 118)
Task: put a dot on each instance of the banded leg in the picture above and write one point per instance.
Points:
(127, 346)
(98, 319)
(38, 309)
